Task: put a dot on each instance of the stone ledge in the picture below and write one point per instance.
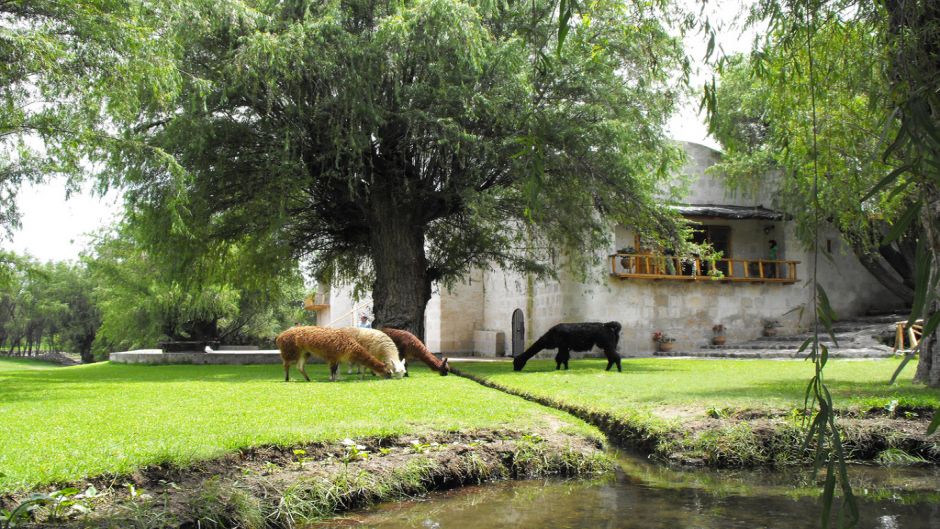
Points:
(157, 357)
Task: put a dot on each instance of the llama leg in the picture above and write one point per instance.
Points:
(300, 367)
(333, 367)
(286, 372)
(612, 358)
(561, 358)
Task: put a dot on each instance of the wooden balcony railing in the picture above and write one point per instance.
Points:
(668, 267)
(318, 301)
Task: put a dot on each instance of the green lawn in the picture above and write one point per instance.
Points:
(657, 383)
(62, 424)
(24, 364)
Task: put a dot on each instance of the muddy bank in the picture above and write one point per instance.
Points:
(274, 487)
(729, 438)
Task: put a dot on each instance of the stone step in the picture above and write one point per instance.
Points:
(771, 346)
(770, 354)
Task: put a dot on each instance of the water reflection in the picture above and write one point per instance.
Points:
(649, 496)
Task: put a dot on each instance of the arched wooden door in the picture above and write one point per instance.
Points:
(518, 332)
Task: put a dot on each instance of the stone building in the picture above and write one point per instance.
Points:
(493, 312)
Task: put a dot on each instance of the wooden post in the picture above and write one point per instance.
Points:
(911, 337)
(899, 337)
(760, 268)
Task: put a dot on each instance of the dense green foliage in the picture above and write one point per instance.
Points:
(68, 423)
(402, 143)
(144, 299)
(47, 307)
(877, 61)
(68, 67)
(764, 121)
(119, 297)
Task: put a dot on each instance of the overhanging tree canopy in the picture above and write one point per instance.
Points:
(406, 142)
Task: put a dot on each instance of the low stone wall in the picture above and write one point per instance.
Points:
(156, 356)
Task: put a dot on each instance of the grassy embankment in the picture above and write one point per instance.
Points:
(731, 412)
(65, 424)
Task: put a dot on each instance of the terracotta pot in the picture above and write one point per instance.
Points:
(665, 347)
(718, 340)
(770, 331)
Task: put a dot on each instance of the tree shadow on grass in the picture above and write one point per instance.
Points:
(576, 366)
(789, 393)
(92, 379)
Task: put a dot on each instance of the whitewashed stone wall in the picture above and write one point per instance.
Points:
(460, 313)
(684, 310)
(341, 311)
(708, 189)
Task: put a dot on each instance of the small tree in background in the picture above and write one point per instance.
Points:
(144, 300)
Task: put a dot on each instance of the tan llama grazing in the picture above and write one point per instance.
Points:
(409, 346)
(379, 345)
(297, 344)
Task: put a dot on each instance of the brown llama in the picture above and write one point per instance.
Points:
(297, 344)
(409, 346)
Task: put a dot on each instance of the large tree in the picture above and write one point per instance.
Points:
(402, 143)
(913, 36)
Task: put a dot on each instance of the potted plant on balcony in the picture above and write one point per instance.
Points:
(770, 327)
(664, 343)
(718, 334)
(626, 261)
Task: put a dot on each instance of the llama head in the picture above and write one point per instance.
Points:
(396, 368)
(518, 363)
(445, 368)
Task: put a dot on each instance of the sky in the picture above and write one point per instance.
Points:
(56, 229)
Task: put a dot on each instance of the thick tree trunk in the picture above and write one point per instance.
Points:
(928, 369)
(402, 287)
(884, 273)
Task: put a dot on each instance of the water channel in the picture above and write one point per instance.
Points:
(644, 495)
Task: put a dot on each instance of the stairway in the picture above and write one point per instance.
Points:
(857, 338)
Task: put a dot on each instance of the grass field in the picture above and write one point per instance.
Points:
(62, 424)
(658, 383)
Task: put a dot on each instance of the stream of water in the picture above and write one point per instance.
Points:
(641, 495)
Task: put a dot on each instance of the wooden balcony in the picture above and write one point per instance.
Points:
(319, 301)
(672, 268)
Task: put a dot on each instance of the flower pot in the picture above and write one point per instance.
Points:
(770, 331)
(718, 340)
(665, 347)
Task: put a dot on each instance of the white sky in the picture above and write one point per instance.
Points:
(55, 229)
